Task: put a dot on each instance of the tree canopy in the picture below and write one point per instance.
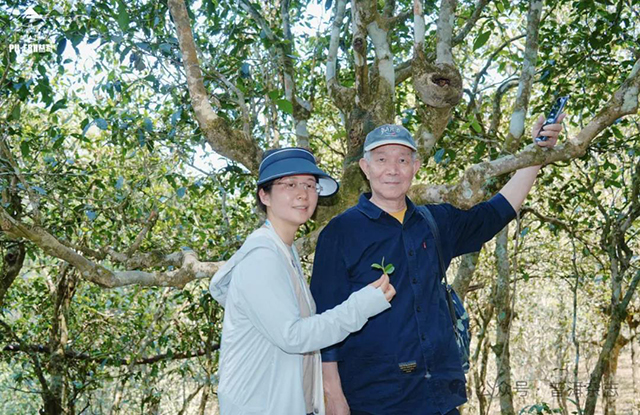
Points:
(131, 134)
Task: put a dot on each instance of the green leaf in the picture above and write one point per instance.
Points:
(120, 183)
(25, 149)
(176, 116)
(62, 44)
(90, 214)
(481, 40)
(148, 125)
(123, 16)
(165, 48)
(500, 7)
(58, 105)
(181, 192)
(389, 269)
(377, 266)
(39, 190)
(439, 155)
(101, 123)
(273, 95)
(15, 113)
(285, 106)
(475, 126)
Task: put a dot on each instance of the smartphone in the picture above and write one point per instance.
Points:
(553, 115)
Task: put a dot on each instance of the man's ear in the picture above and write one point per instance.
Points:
(265, 197)
(416, 164)
(364, 166)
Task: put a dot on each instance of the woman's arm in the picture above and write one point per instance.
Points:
(262, 283)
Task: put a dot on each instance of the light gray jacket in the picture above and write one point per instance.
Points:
(264, 337)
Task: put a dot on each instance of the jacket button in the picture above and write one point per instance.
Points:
(411, 252)
(424, 337)
(418, 309)
(415, 281)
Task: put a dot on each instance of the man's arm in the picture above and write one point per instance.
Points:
(517, 189)
(335, 399)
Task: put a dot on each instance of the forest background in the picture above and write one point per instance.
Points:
(130, 136)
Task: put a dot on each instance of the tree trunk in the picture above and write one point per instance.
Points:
(11, 266)
(618, 314)
(610, 387)
(561, 387)
(502, 303)
(481, 355)
(65, 288)
(465, 274)
(635, 369)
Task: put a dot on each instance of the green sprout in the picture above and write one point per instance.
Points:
(388, 269)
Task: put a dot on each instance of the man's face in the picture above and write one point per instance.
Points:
(390, 172)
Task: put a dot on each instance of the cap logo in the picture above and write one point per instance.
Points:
(389, 130)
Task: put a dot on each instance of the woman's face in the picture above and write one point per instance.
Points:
(292, 200)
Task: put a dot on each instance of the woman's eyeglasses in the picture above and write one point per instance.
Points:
(291, 186)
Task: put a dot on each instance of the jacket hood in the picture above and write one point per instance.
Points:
(219, 285)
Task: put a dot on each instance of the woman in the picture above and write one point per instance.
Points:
(270, 364)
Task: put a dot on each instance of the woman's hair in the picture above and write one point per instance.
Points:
(267, 189)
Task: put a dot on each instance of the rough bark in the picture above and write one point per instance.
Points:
(516, 128)
(502, 303)
(610, 392)
(465, 274)
(223, 139)
(11, 266)
(65, 288)
(480, 358)
(342, 97)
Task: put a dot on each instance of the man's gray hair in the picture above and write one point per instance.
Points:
(367, 155)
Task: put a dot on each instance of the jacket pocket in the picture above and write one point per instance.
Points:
(370, 378)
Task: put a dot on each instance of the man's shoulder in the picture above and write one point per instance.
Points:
(440, 211)
(345, 218)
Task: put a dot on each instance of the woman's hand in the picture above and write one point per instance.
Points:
(386, 287)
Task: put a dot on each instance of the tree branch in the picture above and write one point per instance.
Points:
(359, 46)
(496, 110)
(399, 19)
(468, 191)
(471, 21)
(419, 29)
(342, 96)
(516, 127)
(34, 200)
(190, 268)
(444, 32)
(223, 139)
(153, 218)
(106, 360)
(240, 100)
(484, 70)
(403, 71)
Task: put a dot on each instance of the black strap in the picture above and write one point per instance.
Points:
(426, 214)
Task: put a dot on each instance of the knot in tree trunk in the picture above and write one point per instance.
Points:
(359, 45)
(438, 85)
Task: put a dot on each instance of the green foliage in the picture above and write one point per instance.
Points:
(103, 132)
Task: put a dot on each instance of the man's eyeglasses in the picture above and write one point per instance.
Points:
(291, 186)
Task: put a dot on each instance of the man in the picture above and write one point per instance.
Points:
(405, 360)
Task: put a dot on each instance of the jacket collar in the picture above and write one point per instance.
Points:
(373, 212)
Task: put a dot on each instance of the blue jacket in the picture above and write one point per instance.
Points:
(405, 361)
